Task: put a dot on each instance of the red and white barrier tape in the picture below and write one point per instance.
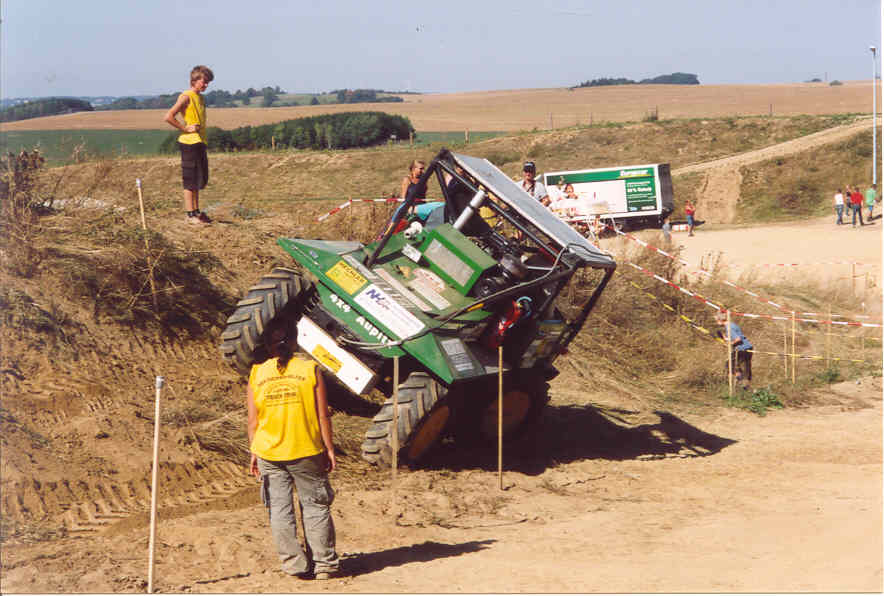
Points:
(711, 304)
(351, 201)
(797, 264)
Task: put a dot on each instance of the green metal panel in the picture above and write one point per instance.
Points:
(454, 257)
(354, 295)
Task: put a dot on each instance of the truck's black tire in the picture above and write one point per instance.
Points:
(422, 418)
(524, 398)
(282, 292)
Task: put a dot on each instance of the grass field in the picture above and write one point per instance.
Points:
(59, 146)
(526, 109)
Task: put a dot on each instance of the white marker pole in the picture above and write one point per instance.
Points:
(500, 417)
(153, 486)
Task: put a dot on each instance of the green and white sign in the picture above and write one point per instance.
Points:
(626, 190)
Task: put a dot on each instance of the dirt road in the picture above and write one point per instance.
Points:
(646, 502)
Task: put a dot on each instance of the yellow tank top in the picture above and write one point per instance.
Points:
(288, 426)
(194, 113)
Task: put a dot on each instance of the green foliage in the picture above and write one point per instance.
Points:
(835, 83)
(362, 96)
(45, 107)
(328, 131)
(676, 78)
(829, 376)
(66, 146)
(758, 401)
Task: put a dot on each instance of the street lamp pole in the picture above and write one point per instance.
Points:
(874, 115)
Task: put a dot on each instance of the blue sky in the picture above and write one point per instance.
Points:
(139, 47)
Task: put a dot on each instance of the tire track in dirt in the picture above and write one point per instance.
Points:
(85, 506)
(720, 189)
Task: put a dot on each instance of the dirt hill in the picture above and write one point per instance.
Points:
(635, 483)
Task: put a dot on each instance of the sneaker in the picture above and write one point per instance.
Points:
(323, 575)
(195, 220)
(203, 217)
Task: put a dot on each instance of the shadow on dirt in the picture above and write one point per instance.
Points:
(572, 433)
(355, 564)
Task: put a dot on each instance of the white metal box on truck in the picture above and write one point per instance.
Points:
(628, 197)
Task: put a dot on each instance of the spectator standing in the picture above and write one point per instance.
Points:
(290, 439)
(856, 203)
(530, 185)
(741, 354)
(192, 141)
(689, 211)
(839, 207)
(667, 231)
(871, 197)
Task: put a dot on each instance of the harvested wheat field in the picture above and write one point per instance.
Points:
(643, 475)
(516, 110)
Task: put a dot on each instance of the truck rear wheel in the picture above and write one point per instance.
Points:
(422, 418)
(523, 401)
(280, 293)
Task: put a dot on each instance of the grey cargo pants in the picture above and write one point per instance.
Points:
(315, 494)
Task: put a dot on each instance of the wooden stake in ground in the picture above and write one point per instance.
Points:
(794, 348)
(153, 486)
(829, 338)
(394, 439)
(785, 352)
(153, 288)
(500, 417)
(730, 360)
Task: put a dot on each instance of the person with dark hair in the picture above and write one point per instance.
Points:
(689, 212)
(839, 207)
(531, 185)
(856, 204)
(290, 439)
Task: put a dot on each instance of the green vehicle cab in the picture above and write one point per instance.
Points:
(451, 293)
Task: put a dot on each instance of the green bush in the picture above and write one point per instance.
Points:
(328, 131)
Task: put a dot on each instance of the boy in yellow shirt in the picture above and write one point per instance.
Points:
(192, 142)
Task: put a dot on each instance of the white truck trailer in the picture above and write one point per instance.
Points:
(624, 197)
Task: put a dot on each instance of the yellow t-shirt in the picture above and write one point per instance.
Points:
(288, 425)
(194, 113)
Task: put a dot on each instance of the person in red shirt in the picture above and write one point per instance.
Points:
(856, 203)
(689, 215)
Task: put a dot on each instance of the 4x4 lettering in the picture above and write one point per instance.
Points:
(337, 301)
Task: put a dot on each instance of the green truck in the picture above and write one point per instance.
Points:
(448, 295)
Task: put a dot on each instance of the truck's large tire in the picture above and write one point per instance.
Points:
(524, 398)
(422, 418)
(282, 292)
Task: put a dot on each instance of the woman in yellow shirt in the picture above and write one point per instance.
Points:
(290, 437)
(192, 141)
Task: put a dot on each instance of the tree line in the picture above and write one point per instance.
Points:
(217, 98)
(676, 78)
(327, 131)
(44, 107)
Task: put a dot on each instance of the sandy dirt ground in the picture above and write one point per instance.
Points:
(685, 498)
(653, 501)
(640, 497)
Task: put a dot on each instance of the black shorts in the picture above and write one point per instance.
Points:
(194, 166)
